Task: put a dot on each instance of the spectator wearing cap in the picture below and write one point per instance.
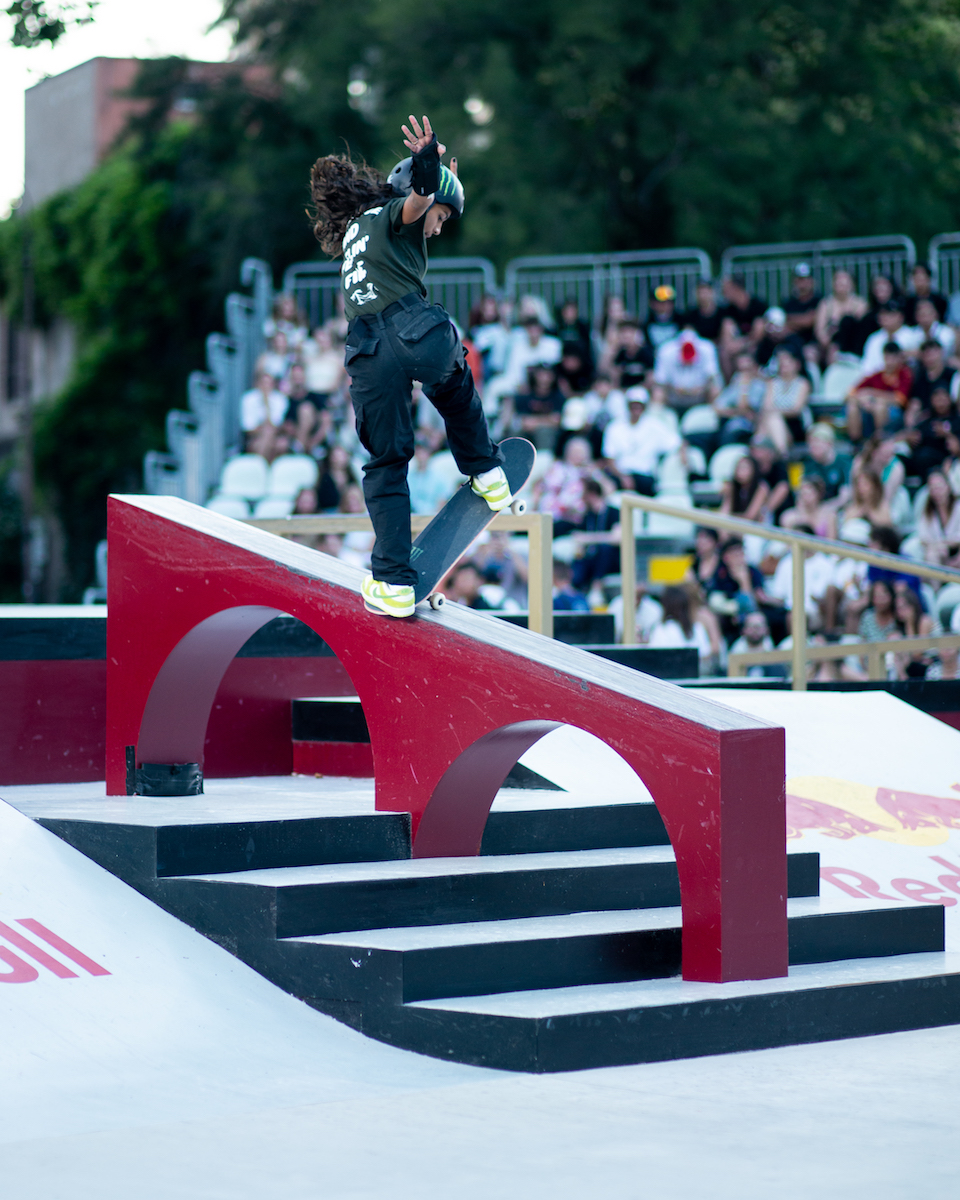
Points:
(687, 372)
(742, 326)
(801, 306)
(632, 448)
(706, 317)
(784, 414)
(843, 304)
(892, 329)
(775, 333)
(876, 404)
(824, 460)
(921, 288)
(662, 324)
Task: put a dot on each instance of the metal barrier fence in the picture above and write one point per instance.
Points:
(801, 652)
(590, 278)
(943, 254)
(768, 269)
(456, 283)
(537, 526)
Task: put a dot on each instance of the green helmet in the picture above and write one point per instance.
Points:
(450, 191)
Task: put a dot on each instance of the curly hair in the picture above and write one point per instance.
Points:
(340, 190)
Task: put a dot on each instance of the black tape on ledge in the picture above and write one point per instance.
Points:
(169, 779)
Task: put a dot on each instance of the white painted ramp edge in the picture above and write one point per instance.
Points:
(178, 1030)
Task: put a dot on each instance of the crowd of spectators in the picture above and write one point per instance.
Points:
(723, 395)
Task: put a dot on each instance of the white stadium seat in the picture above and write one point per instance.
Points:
(291, 473)
(246, 476)
(229, 506)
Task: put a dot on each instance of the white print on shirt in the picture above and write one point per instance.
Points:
(351, 233)
(359, 297)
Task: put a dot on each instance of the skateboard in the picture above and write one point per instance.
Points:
(464, 517)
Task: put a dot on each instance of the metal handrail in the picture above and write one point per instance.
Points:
(873, 652)
(537, 526)
(798, 542)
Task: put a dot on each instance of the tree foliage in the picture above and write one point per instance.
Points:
(601, 126)
(682, 122)
(38, 23)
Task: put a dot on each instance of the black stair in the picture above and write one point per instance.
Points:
(557, 949)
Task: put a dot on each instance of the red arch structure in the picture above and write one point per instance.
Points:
(452, 699)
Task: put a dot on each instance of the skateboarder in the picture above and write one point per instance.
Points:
(380, 226)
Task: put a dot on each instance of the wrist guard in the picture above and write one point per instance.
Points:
(426, 169)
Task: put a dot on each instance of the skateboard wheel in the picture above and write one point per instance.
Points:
(437, 600)
(518, 507)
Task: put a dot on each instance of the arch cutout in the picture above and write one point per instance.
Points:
(437, 685)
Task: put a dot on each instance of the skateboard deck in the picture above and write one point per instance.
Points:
(464, 517)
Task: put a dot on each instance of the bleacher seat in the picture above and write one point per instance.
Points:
(290, 473)
(246, 476)
(229, 506)
(837, 381)
(700, 419)
(273, 506)
(723, 462)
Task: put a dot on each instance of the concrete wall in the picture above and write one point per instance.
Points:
(72, 120)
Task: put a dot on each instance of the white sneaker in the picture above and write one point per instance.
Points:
(387, 599)
(492, 485)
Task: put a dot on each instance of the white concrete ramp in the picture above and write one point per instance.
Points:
(178, 1029)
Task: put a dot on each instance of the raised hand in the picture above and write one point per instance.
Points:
(416, 138)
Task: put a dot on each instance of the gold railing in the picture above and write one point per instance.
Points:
(537, 526)
(801, 651)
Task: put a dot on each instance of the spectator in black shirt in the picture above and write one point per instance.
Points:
(772, 471)
(936, 437)
(932, 372)
(574, 335)
(598, 536)
(663, 324)
(852, 334)
(801, 307)
(921, 288)
(634, 357)
(307, 423)
(539, 408)
(707, 318)
(742, 326)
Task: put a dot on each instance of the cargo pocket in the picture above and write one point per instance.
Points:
(412, 326)
(365, 346)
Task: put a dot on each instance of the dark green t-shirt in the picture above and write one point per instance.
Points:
(383, 259)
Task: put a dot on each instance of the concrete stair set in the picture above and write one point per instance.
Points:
(558, 948)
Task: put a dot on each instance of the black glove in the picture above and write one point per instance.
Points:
(426, 169)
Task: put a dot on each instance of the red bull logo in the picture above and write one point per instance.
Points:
(841, 809)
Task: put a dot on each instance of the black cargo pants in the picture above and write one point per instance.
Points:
(385, 353)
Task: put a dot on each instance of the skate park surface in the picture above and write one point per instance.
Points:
(184, 1073)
